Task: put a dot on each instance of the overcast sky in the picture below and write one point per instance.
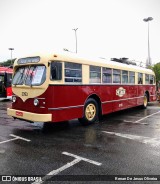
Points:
(106, 28)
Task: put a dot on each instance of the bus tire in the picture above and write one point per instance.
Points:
(91, 111)
(145, 101)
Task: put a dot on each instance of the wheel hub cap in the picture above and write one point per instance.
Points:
(90, 111)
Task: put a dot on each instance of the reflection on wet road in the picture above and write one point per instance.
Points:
(125, 143)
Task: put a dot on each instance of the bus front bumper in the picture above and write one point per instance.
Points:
(28, 116)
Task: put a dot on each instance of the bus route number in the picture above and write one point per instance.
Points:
(24, 94)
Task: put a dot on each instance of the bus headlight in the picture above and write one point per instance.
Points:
(36, 102)
(14, 99)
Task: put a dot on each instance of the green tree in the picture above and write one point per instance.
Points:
(7, 63)
(156, 69)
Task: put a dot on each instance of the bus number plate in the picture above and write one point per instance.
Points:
(19, 113)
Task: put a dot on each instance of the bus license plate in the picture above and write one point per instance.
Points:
(19, 113)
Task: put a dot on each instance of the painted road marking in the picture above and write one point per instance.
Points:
(75, 161)
(15, 138)
(146, 117)
(126, 121)
(81, 158)
(146, 140)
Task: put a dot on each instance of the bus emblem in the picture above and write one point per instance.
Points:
(120, 92)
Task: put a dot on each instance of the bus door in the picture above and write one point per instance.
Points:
(2, 86)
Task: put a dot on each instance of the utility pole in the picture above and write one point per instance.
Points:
(11, 49)
(148, 62)
(76, 37)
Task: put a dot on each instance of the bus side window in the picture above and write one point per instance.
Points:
(146, 78)
(95, 74)
(140, 78)
(151, 79)
(56, 71)
(132, 77)
(116, 76)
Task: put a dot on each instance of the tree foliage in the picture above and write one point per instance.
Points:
(156, 69)
(8, 62)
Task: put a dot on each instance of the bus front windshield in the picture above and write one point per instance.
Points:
(30, 75)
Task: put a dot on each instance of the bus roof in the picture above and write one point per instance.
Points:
(76, 58)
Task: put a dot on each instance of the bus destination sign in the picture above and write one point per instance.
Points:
(29, 60)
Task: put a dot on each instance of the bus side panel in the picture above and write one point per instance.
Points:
(107, 107)
(106, 97)
(120, 101)
(61, 96)
(141, 92)
(153, 98)
(132, 90)
(66, 102)
(152, 93)
(66, 114)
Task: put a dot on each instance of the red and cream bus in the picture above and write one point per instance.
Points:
(5, 83)
(60, 87)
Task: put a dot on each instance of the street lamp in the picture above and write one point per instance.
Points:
(75, 37)
(149, 59)
(11, 49)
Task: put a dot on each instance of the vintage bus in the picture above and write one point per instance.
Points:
(60, 87)
(5, 83)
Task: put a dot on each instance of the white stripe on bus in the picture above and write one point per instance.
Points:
(61, 108)
(122, 99)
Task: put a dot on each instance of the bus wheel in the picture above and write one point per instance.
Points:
(90, 114)
(145, 101)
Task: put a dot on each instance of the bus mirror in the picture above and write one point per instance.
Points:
(56, 71)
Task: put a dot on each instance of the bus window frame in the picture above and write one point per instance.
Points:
(95, 80)
(115, 74)
(140, 79)
(132, 74)
(147, 76)
(59, 69)
(153, 77)
(104, 73)
(123, 75)
(73, 78)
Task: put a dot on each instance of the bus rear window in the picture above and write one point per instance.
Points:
(30, 75)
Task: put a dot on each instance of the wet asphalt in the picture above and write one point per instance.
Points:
(122, 145)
